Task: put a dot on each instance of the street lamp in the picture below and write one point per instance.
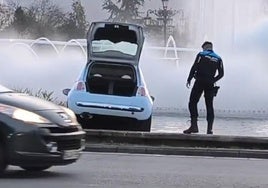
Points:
(165, 4)
(164, 16)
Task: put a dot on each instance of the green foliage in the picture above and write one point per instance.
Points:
(123, 10)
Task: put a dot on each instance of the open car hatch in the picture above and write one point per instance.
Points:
(112, 41)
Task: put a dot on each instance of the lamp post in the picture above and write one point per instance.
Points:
(163, 15)
(165, 18)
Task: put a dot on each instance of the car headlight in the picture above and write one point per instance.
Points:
(23, 115)
(72, 115)
(69, 112)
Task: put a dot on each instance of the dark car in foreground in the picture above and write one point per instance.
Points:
(36, 134)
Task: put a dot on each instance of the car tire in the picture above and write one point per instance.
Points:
(3, 163)
(35, 168)
(145, 125)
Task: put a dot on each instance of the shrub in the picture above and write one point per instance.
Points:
(43, 94)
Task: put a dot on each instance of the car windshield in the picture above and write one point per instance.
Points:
(4, 89)
(122, 46)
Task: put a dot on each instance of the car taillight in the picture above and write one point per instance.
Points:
(142, 91)
(80, 86)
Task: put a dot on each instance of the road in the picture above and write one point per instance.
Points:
(148, 171)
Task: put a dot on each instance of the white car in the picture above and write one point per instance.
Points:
(110, 92)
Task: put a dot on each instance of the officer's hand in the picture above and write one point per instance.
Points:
(188, 84)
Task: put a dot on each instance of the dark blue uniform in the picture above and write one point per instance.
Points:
(204, 69)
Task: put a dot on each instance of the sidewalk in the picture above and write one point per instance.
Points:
(171, 123)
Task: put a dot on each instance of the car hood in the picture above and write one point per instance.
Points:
(27, 102)
(113, 41)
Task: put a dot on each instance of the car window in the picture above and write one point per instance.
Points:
(106, 45)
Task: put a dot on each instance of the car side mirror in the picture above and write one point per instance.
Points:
(152, 97)
(66, 91)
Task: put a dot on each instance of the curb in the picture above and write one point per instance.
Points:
(212, 152)
(176, 144)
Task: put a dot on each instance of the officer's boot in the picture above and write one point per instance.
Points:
(193, 128)
(209, 128)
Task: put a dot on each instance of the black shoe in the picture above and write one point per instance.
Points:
(191, 130)
(209, 132)
(210, 126)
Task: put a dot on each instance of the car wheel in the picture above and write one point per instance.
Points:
(35, 168)
(3, 163)
(145, 125)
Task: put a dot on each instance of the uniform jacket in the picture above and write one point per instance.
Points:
(205, 66)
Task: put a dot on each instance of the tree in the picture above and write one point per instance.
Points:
(5, 16)
(78, 15)
(20, 21)
(75, 24)
(44, 18)
(123, 10)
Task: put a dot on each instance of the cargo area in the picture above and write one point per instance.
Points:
(112, 79)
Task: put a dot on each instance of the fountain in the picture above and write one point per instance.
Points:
(26, 46)
(35, 70)
(47, 41)
(82, 47)
(242, 93)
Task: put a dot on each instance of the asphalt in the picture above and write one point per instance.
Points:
(176, 144)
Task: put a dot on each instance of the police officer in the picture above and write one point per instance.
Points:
(204, 69)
